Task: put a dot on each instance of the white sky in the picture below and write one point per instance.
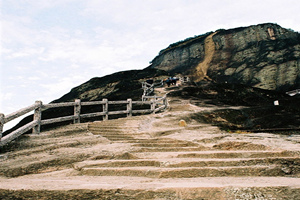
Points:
(50, 46)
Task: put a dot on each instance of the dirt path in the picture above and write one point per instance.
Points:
(151, 157)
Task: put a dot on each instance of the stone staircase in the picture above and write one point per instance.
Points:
(170, 158)
(153, 157)
(114, 130)
(161, 159)
(182, 166)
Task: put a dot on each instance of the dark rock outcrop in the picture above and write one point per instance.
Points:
(117, 86)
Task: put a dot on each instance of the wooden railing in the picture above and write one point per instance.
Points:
(156, 104)
(293, 92)
(149, 88)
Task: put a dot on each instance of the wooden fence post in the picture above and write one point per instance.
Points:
(129, 107)
(1, 124)
(105, 109)
(77, 110)
(153, 105)
(37, 116)
(165, 102)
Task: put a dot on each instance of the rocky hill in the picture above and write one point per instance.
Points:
(264, 56)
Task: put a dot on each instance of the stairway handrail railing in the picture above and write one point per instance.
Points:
(149, 88)
(156, 104)
(293, 92)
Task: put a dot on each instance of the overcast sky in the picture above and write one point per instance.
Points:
(50, 46)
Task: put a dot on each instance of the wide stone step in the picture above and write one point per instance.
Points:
(161, 140)
(137, 188)
(98, 132)
(169, 149)
(178, 144)
(92, 127)
(117, 163)
(118, 138)
(112, 128)
(185, 172)
(114, 133)
(115, 123)
(294, 168)
(238, 154)
(195, 162)
(216, 154)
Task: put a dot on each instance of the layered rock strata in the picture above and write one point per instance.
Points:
(265, 56)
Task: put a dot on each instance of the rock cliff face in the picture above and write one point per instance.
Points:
(266, 56)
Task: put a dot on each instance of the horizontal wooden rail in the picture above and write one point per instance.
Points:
(57, 105)
(156, 104)
(293, 92)
(142, 111)
(117, 102)
(19, 113)
(55, 120)
(91, 103)
(13, 135)
(89, 115)
(142, 102)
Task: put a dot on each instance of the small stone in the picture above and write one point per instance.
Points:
(182, 123)
(286, 170)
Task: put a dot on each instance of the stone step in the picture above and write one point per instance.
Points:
(99, 126)
(161, 140)
(120, 134)
(194, 162)
(136, 188)
(169, 149)
(131, 140)
(216, 154)
(112, 129)
(117, 163)
(114, 138)
(127, 140)
(178, 144)
(111, 132)
(238, 154)
(118, 122)
(185, 172)
(118, 137)
(97, 132)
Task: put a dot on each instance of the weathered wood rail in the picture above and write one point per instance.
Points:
(156, 104)
(149, 88)
(293, 92)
